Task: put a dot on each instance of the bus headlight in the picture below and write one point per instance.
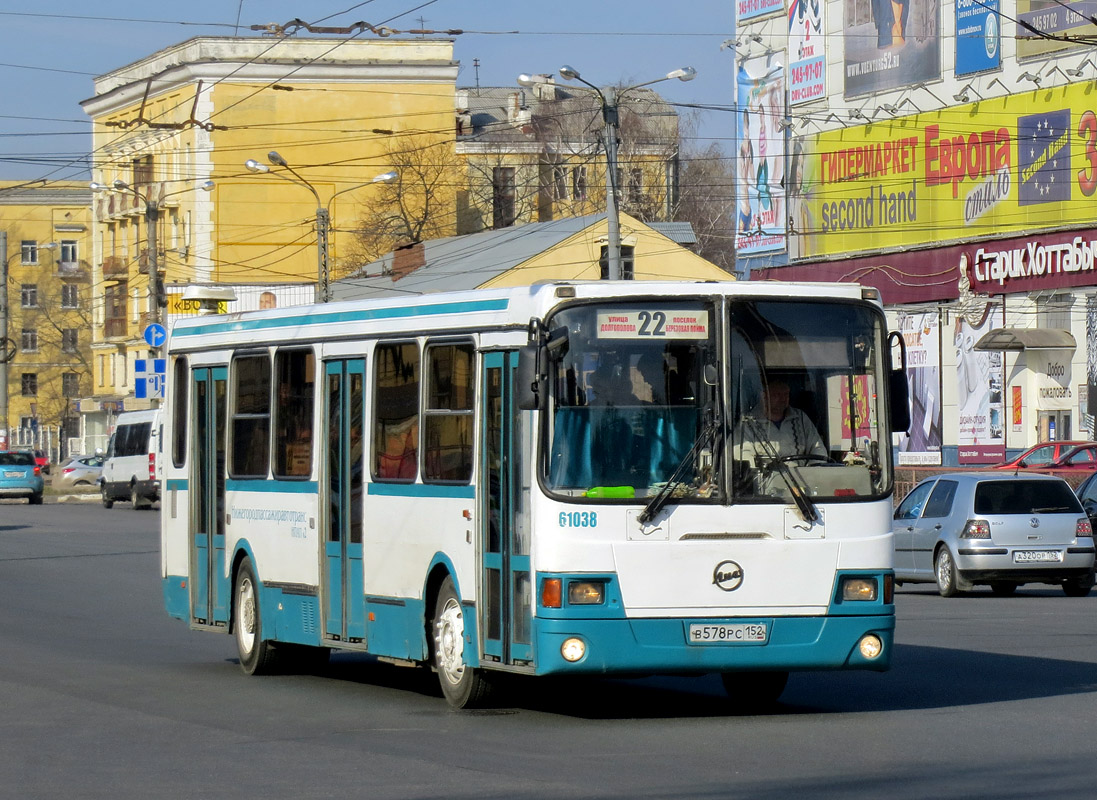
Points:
(871, 646)
(586, 593)
(858, 588)
(573, 649)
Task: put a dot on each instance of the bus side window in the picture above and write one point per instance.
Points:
(251, 417)
(180, 387)
(447, 414)
(295, 379)
(396, 412)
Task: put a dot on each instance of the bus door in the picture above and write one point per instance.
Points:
(209, 583)
(341, 484)
(504, 530)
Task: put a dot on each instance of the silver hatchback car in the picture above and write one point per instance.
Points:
(966, 528)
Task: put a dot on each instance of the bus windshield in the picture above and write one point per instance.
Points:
(630, 409)
(807, 401)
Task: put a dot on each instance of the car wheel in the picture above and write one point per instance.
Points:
(81, 483)
(754, 692)
(1003, 588)
(1078, 587)
(945, 569)
(107, 502)
(462, 685)
(136, 499)
(257, 657)
(35, 499)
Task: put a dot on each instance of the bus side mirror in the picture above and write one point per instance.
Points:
(532, 384)
(898, 388)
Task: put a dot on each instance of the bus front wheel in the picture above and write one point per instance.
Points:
(462, 685)
(256, 655)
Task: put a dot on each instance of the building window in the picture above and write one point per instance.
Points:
(70, 295)
(69, 340)
(502, 197)
(579, 183)
(559, 182)
(70, 384)
(627, 271)
(30, 384)
(28, 295)
(68, 252)
(29, 340)
(142, 170)
(30, 251)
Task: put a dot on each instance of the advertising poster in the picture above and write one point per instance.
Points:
(1015, 391)
(979, 394)
(922, 443)
(978, 36)
(749, 9)
(1001, 167)
(760, 167)
(807, 63)
(891, 43)
(1059, 18)
(1091, 355)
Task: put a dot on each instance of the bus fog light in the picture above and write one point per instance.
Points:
(573, 649)
(858, 588)
(871, 646)
(586, 593)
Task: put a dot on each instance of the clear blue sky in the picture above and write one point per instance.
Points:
(50, 50)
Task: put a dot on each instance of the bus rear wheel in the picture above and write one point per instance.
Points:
(257, 656)
(462, 685)
(753, 692)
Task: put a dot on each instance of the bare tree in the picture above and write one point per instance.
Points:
(417, 207)
(707, 201)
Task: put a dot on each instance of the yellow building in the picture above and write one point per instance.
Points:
(566, 249)
(327, 110)
(44, 313)
(535, 154)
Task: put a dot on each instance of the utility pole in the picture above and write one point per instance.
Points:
(152, 220)
(4, 349)
(613, 217)
(323, 225)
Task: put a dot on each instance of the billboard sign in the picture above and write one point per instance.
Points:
(978, 36)
(760, 169)
(890, 44)
(807, 61)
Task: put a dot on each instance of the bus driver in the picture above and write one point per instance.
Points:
(774, 429)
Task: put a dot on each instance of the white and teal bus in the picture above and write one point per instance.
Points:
(545, 480)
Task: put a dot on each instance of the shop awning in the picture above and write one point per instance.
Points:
(1027, 339)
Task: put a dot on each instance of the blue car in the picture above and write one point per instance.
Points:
(20, 476)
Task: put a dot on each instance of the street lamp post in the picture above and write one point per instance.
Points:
(609, 98)
(323, 214)
(152, 226)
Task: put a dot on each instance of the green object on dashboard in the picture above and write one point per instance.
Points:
(610, 491)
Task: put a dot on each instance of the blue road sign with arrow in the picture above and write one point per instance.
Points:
(155, 334)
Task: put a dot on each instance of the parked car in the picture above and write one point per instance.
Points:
(1082, 457)
(43, 461)
(1041, 454)
(1087, 494)
(129, 467)
(79, 471)
(963, 529)
(20, 476)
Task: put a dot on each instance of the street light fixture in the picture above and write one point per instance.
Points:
(323, 213)
(609, 98)
(152, 217)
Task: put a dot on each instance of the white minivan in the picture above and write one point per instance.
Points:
(130, 468)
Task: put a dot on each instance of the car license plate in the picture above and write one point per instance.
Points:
(13, 474)
(1031, 556)
(738, 633)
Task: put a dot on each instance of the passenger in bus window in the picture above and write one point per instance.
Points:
(774, 429)
(651, 386)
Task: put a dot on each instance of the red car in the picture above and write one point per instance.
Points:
(42, 460)
(1083, 457)
(1041, 455)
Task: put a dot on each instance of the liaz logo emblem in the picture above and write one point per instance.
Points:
(727, 576)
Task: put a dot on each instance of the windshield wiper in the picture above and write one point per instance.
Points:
(799, 493)
(663, 495)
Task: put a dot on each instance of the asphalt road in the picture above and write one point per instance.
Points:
(103, 696)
